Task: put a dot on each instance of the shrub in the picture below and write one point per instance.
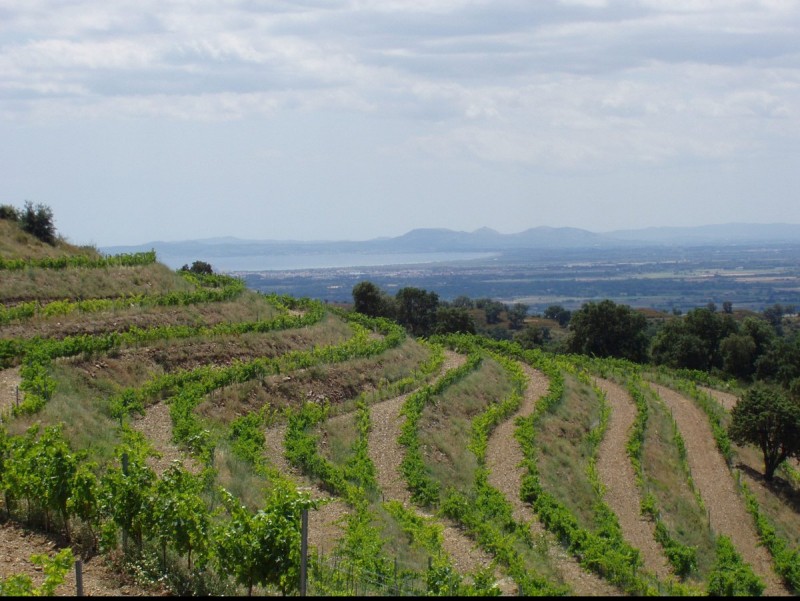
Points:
(38, 221)
(730, 575)
(9, 213)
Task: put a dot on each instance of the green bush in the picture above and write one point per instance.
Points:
(730, 576)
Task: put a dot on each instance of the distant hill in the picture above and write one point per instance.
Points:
(441, 240)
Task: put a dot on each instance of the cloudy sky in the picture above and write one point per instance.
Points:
(145, 120)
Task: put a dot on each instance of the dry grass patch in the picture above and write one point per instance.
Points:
(248, 307)
(779, 500)
(563, 450)
(82, 411)
(340, 384)
(667, 481)
(18, 244)
(239, 477)
(134, 366)
(445, 425)
(78, 283)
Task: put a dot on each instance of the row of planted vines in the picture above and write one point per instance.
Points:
(78, 459)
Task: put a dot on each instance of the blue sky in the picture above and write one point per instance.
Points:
(138, 121)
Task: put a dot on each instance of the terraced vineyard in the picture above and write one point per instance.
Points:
(169, 429)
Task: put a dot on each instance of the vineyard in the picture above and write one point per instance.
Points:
(169, 429)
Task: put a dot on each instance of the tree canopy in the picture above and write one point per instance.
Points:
(606, 329)
(38, 221)
(767, 418)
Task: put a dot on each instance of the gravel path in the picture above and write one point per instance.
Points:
(156, 425)
(616, 473)
(326, 523)
(503, 461)
(726, 399)
(18, 544)
(727, 513)
(387, 454)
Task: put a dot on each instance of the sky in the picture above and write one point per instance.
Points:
(144, 120)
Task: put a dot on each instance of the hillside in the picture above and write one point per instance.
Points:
(169, 427)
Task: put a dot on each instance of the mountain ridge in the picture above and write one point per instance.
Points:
(485, 240)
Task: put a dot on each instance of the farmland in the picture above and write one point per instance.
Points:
(169, 427)
(662, 278)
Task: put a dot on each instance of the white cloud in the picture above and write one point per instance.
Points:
(586, 86)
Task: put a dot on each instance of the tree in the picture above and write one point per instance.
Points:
(516, 315)
(370, 300)
(710, 327)
(57, 468)
(38, 221)
(559, 314)
(199, 267)
(532, 337)
(780, 362)
(675, 346)
(83, 503)
(416, 310)
(767, 418)
(606, 329)
(452, 320)
(492, 310)
(727, 307)
(774, 315)
(738, 355)
(463, 301)
(9, 213)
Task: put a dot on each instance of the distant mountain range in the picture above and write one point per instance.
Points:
(483, 240)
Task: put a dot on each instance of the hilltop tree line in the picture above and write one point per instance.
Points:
(755, 348)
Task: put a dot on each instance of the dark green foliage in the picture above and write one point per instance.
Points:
(370, 300)
(675, 346)
(774, 315)
(767, 418)
(38, 221)
(416, 310)
(781, 362)
(453, 320)
(9, 212)
(532, 337)
(559, 314)
(463, 302)
(199, 267)
(492, 310)
(738, 355)
(606, 329)
(516, 314)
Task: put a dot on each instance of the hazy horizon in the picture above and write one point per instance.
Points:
(225, 238)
